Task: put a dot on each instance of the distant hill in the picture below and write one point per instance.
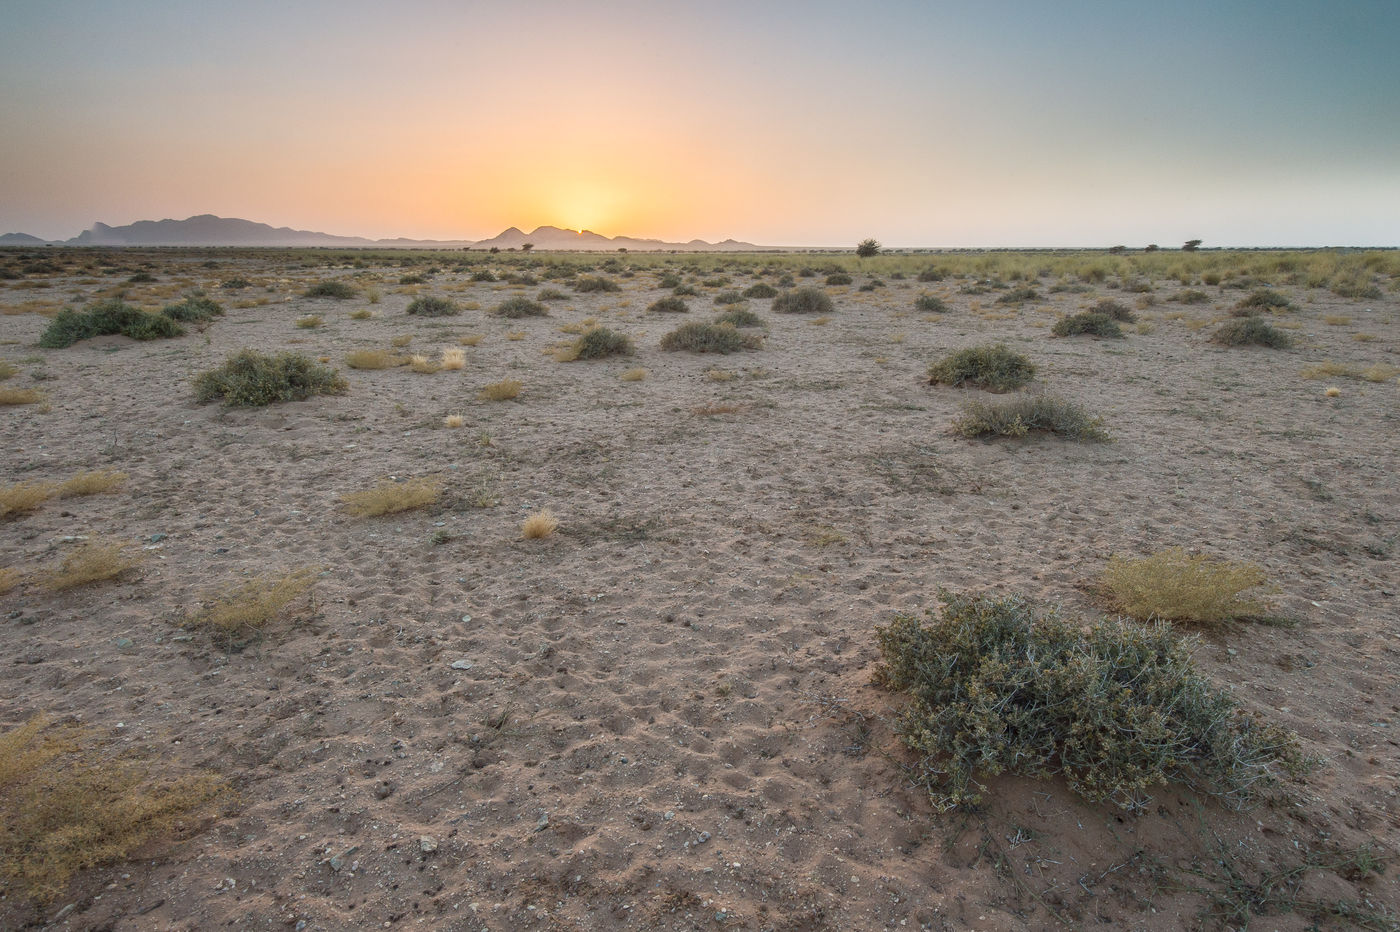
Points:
(21, 239)
(209, 230)
(555, 238)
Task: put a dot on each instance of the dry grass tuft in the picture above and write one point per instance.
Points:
(1333, 392)
(93, 482)
(373, 359)
(633, 375)
(471, 339)
(7, 370)
(453, 421)
(67, 803)
(423, 365)
(710, 410)
(24, 497)
(363, 313)
(1174, 585)
(504, 390)
(515, 336)
(9, 578)
(310, 322)
(20, 396)
(92, 561)
(539, 525)
(453, 359)
(390, 497)
(402, 340)
(240, 613)
(1327, 370)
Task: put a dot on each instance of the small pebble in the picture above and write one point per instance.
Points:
(461, 664)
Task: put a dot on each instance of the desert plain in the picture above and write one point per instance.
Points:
(662, 715)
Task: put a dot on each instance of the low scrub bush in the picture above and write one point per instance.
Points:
(373, 359)
(1262, 301)
(803, 301)
(504, 390)
(1116, 709)
(518, 307)
(310, 322)
(392, 496)
(92, 561)
(20, 396)
(1174, 585)
(332, 289)
(1190, 296)
(1099, 325)
(433, 307)
(251, 379)
(1019, 296)
(740, 318)
(995, 368)
(729, 297)
(1114, 310)
(838, 278)
(239, 614)
(233, 284)
(932, 275)
(586, 284)
(633, 375)
(68, 802)
(700, 337)
(685, 291)
(1252, 330)
(483, 275)
(24, 497)
(551, 294)
(1016, 417)
(670, 304)
(196, 309)
(92, 482)
(760, 290)
(601, 342)
(363, 313)
(931, 304)
(112, 316)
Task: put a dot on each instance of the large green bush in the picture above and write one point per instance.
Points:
(518, 307)
(599, 342)
(1252, 330)
(433, 306)
(1117, 709)
(1100, 325)
(111, 316)
(995, 368)
(251, 379)
(196, 309)
(332, 289)
(803, 301)
(701, 337)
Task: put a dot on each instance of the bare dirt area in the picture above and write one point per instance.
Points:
(662, 715)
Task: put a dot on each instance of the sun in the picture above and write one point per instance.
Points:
(586, 206)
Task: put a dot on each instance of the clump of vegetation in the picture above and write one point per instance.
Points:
(838, 278)
(483, 275)
(1327, 370)
(363, 313)
(740, 318)
(423, 365)
(586, 284)
(685, 291)
(92, 482)
(1262, 301)
(373, 359)
(92, 561)
(1099, 325)
(233, 284)
(1019, 296)
(1117, 709)
(551, 294)
(1016, 417)
(539, 525)
(803, 301)
(68, 803)
(310, 322)
(518, 307)
(633, 375)
(453, 359)
(698, 337)
(600, 342)
(1174, 585)
(332, 289)
(931, 275)
(433, 307)
(196, 309)
(1252, 330)
(238, 614)
(1190, 296)
(504, 390)
(251, 379)
(24, 497)
(927, 302)
(20, 396)
(760, 290)
(112, 316)
(670, 304)
(1114, 310)
(995, 368)
(729, 297)
(391, 496)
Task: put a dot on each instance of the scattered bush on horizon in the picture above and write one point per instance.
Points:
(518, 307)
(806, 300)
(699, 337)
(1117, 709)
(432, 307)
(332, 289)
(1173, 585)
(238, 614)
(112, 316)
(1252, 330)
(251, 379)
(1099, 325)
(69, 802)
(391, 496)
(1016, 417)
(994, 368)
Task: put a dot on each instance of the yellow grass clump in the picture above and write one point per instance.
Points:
(67, 803)
(423, 365)
(7, 370)
(453, 421)
(390, 497)
(402, 340)
(503, 390)
(372, 359)
(310, 322)
(92, 561)
(92, 482)
(241, 612)
(633, 375)
(1174, 585)
(538, 525)
(1326, 370)
(471, 339)
(453, 359)
(20, 396)
(1333, 392)
(24, 497)
(363, 313)
(9, 578)
(515, 335)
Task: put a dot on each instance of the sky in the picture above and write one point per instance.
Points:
(934, 123)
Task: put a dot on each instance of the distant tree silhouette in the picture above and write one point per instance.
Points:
(868, 248)
(527, 246)
(1191, 245)
(1151, 247)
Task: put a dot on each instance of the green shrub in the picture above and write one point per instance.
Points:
(698, 337)
(803, 301)
(1263, 300)
(1252, 330)
(1100, 325)
(1016, 417)
(194, 309)
(483, 275)
(995, 368)
(592, 283)
(927, 302)
(740, 318)
(413, 280)
(252, 379)
(932, 275)
(1019, 296)
(838, 278)
(1174, 585)
(332, 289)
(111, 316)
(1358, 290)
(667, 305)
(517, 307)
(669, 280)
(1190, 296)
(1114, 310)
(551, 294)
(433, 307)
(729, 297)
(760, 290)
(600, 342)
(1117, 709)
(685, 291)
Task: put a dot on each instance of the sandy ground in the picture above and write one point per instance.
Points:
(666, 718)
